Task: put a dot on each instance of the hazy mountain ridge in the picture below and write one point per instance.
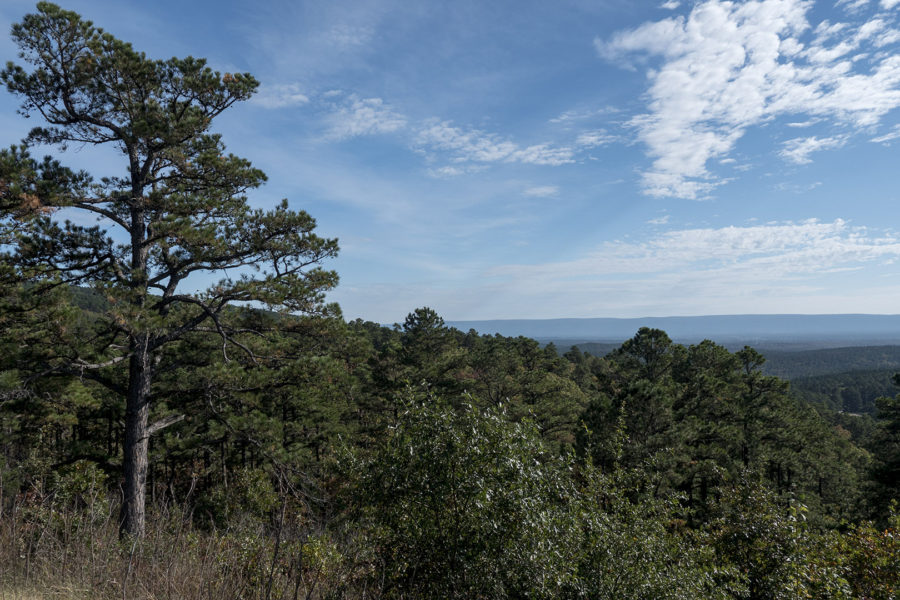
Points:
(786, 329)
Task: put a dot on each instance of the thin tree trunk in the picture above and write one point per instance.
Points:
(135, 459)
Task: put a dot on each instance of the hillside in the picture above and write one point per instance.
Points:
(827, 361)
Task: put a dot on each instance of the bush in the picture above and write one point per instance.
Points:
(636, 547)
(461, 503)
(777, 555)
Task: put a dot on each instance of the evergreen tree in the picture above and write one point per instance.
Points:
(177, 212)
(885, 448)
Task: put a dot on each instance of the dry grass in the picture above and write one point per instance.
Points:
(55, 553)
(49, 593)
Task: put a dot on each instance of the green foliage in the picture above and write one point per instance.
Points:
(701, 415)
(766, 538)
(463, 503)
(854, 392)
(885, 448)
(248, 495)
(638, 548)
(872, 557)
(459, 502)
(177, 210)
(475, 496)
(832, 361)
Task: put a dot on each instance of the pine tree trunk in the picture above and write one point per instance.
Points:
(135, 459)
(137, 403)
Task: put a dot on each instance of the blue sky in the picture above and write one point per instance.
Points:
(536, 159)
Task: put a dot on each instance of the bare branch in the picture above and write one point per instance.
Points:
(163, 423)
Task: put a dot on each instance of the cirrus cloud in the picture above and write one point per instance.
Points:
(767, 252)
(782, 267)
(473, 145)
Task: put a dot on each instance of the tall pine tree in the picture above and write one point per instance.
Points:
(177, 211)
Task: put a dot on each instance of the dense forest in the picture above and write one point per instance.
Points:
(844, 379)
(832, 361)
(246, 441)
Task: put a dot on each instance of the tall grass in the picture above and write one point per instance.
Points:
(69, 548)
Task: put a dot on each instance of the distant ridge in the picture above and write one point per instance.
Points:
(851, 329)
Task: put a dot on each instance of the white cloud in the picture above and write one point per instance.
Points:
(467, 145)
(660, 220)
(443, 172)
(367, 116)
(891, 135)
(728, 66)
(479, 146)
(670, 5)
(570, 116)
(852, 5)
(592, 139)
(777, 267)
(543, 154)
(467, 150)
(797, 188)
(449, 171)
(798, 150)
(889, 4)
(345, 36)
(280, 96)
(542, 191)
(740, 256)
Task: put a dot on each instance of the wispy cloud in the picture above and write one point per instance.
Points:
(797, 188)
(542, 191)
(728, 66)
(344, 35)
(570, 115)
(455, 170)
(856, 5)
(891, 135)
(280, 96)
(660, 220)
(679, 267)
(765, 252)
(446, 171)
(802, 124)
(573, 116)
(467, 150)
(798, 150)
(363, 116)
(797, 267)
(593, 139)
(473, 145)
(852, 5)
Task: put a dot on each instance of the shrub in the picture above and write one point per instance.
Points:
(462, 503)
